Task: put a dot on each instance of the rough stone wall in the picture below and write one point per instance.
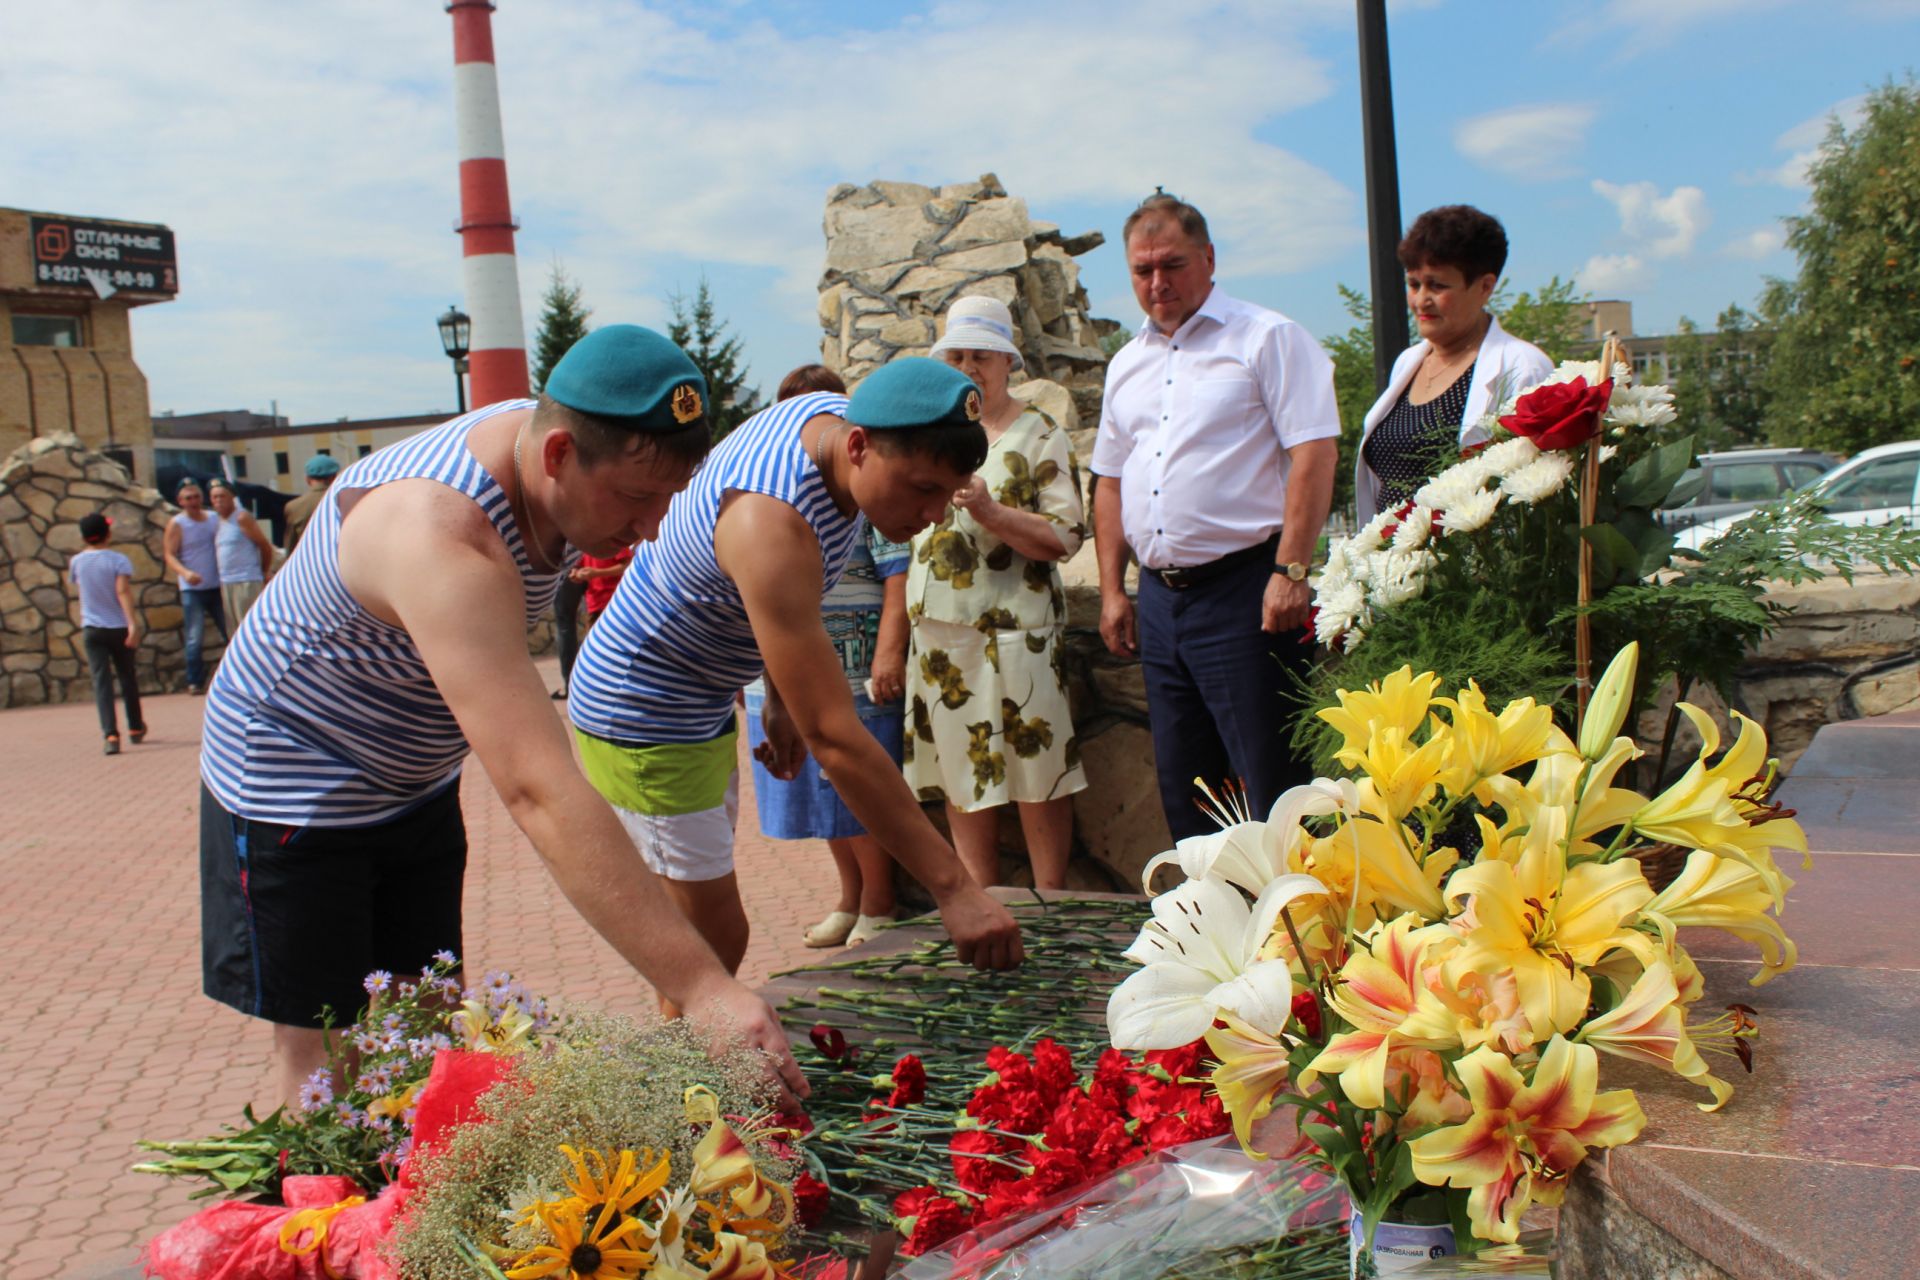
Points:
(898, 254)
(45, 487)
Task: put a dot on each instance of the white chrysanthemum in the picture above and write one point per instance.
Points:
(1353, 639)
(1590, 370)
(1456, 484)
(1339, 612)
(1648, 406)
(1539, 479)
(1414, 530)
(1372, 534)
(1471, 514)
(1401, 577)
(1509, 456)
(1608, 452)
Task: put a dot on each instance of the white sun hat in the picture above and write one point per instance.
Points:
(980, 324)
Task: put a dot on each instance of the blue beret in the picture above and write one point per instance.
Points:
(320, 466)
(632, 377)
(914, 392)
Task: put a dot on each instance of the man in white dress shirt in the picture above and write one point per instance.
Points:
(1214, 466)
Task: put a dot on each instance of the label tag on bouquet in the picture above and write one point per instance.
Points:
(1398, 1246)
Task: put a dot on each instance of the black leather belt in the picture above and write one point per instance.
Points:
(1182, 579)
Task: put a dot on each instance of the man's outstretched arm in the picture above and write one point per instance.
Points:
(774, 558)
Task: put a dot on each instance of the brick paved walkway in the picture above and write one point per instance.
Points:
(108, 1038)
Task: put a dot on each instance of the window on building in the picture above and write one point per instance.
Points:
(282, 464)
(365, 449)
(240, 466)
(325, 453)
(47, 331)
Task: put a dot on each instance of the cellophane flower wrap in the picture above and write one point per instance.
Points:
(1432, 957)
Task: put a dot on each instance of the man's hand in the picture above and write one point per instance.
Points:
(784, 750)
(1284, 607)
(133, 637)
(1118, 626)
(191, 578)
(984, 933)
(729, 1014)
(889, 676)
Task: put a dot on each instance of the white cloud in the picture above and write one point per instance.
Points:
(1662, 226)
(1533, 143)
(1805, 141)
(1629, 27)
(308, 169)
(1615, 275)
(1759, 243)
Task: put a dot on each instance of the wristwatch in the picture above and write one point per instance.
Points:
(1294, 570)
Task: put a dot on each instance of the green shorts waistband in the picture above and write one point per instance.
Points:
(662, 779)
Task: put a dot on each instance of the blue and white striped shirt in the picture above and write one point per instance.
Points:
(668, 655)
(323, 715)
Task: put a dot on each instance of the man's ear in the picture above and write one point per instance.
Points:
(555, 448)
(859, 444)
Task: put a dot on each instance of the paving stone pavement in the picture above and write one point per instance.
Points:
(108, 1039)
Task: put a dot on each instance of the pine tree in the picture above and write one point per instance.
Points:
(563, 322)
(696, 331)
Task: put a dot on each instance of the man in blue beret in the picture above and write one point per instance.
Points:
(321, 470)
(732, 590)
(394, 641)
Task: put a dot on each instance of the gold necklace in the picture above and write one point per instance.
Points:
(532, 539)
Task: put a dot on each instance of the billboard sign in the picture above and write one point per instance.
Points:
(106, 257)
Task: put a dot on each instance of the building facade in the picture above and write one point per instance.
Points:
(68, 286)
(262, 449)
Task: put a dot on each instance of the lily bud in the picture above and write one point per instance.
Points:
(1607, 709)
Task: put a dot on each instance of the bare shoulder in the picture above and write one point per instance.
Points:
(407, 536)
(763, 536)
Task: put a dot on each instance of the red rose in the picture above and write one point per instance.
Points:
(1560, 415)
(810, 1196)
(1306, 1011)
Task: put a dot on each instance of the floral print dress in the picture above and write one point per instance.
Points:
(987, 718)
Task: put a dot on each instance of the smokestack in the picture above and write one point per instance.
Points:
(499, 344)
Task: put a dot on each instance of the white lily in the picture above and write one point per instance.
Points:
(1201, 952)
(1252, 854)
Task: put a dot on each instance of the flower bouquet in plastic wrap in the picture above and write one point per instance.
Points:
(1427, 961)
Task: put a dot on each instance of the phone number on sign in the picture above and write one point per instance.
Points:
(118, 279)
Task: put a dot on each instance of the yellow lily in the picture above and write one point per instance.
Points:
(1381, 860)
(1524, 1138)
(479, 1028)
(1547, 922)
(1486, 1007)
(1398, 702)
(1485, 745)
(722, 1162)
(1400, 776)
(1567, 790)
(1726, 894)
(735, 1257)
(1418, 1079)
(1253, 1068)
(1382, 994)
(1650, 1025)
(1607, 709)
(1744, 769)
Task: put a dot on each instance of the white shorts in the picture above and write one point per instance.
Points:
(687, 846)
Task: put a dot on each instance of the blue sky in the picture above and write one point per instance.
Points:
(305, 158)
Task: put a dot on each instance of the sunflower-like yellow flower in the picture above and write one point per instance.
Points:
(1400, 702)
(1547, 923)
(1650, 1025)
(582, 1247)
(618, 1181)
(1726, 894)
(1525, 1137)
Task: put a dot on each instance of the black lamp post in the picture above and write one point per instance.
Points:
(455, 331)
(1390, 334)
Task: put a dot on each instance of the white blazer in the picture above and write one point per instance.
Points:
(1520, 364)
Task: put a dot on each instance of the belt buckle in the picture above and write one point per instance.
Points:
(1177, 579)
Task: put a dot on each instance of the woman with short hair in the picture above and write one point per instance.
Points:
(1464, 367)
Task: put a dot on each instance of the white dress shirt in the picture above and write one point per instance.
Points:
(1506, 365)
(1196, 426)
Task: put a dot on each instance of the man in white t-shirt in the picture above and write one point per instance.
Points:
(1214, 463)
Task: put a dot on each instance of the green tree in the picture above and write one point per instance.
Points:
(1554, 319)
(1845, 372)
(563, 322)
(698, 332)
(1720, 380)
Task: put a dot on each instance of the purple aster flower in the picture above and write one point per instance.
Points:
(377, 981)
(347, 1116)
(444, 958)
(367, 1043)
(317, 1092)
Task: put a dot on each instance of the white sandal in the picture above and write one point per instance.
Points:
(832, 931)
(867, 927)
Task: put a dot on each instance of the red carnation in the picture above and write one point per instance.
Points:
(1055, 1171)
(909, 1082)
(1009, 1197)
(1184, 1061)
(1053, 1069)
(967, 1148)
(810, 1198)
(831, 1043)
(929, 1220)
(1560, 415)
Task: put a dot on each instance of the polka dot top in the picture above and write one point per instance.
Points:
(1416, 440)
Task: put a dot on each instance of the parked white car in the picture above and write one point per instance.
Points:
(1875, 486)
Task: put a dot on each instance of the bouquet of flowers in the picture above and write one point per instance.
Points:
(1437, 1019)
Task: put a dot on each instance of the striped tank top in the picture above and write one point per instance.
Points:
(668, 655)
(323, 715)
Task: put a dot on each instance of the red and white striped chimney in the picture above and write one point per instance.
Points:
(498, 361)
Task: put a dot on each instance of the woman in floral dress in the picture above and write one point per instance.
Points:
(987, 719)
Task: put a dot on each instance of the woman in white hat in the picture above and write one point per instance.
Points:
(987, 718)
